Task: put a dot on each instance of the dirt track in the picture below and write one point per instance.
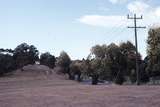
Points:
(55, 91)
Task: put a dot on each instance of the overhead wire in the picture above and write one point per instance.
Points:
(116, 31)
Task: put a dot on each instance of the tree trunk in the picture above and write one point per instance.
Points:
(94, 79)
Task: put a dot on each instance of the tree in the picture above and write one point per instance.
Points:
(108, 63)
(47, 59)
(33, 54)
(7, 64)
(144, 76)
(10, 51)
(96, 67)
(25, 54)
(127, 47)
(86, 68)
(64, 62)
(129, 52)
(117, 63)
(75, 69)
(99, 51)
(153, 52)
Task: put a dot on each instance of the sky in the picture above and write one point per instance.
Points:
(74, 26)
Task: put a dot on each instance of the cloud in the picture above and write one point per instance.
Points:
(151, 16)
(138, 7)
(157, 12)
(117, 1)
(104, 21)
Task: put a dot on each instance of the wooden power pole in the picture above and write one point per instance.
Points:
(135, 27)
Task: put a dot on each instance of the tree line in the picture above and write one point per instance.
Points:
(113, 63)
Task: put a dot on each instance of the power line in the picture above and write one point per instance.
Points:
(115, 31)
(135, 27)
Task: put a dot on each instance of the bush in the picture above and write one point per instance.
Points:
(47, 59)
(7, 64)
(64, 62)
(25, 54)
(75, 70)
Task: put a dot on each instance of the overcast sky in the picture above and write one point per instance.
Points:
(74, 25)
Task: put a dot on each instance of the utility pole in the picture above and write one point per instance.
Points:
(135, 27)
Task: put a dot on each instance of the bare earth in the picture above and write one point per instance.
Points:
(40, 90)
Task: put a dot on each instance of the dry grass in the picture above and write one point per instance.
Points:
(25, 90)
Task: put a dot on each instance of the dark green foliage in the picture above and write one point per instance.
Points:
(144, 76)
(99, 51)
(95, 79)
(129, 52)
(7, 64)
(47, 59)
(75, 69)
(109, 63)
(25, 54)
(117, 61)
(64, 62)
(127, 47)
(6, 50)
(86, 68)
(153, 51)
(114, 63)
(119, 78)
(96, 70)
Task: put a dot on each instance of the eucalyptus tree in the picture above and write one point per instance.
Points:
(64, 62)
(25, 54)
(47, 59)
(129, 52)
(7, 63)
(76, 68)
(108, 63)
(153, 52)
